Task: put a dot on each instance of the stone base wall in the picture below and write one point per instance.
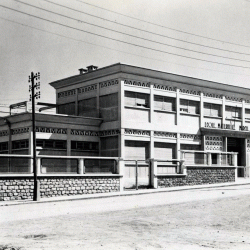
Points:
(51, 187)
(21, 188)
(199, 176)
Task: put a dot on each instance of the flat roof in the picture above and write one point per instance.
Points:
(139, 71)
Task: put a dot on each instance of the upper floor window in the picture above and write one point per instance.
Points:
(189, 106)
(213, 110)
(87, 107)
(109, 107)
(233, 112)
(247, 114)
(67, 108)
(164, 103)
(136, 99)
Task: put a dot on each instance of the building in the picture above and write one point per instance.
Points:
(151, 114)
(138, 114)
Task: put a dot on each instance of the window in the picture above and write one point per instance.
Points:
(4, 146)
(20, 144)
(164, 103)
(136, 99)
(233, 112)
(87, 107)
(67, 109)
(247, 114)
(83, 145)
(109, 107)
(56, 144)
(188, 106)
(213, 110)
(109, 146)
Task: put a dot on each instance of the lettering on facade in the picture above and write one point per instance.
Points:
(244, 128)
(220, 125)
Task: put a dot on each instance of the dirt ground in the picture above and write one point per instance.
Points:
(208, 224)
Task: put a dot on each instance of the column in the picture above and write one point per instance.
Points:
(152, 146)
(121, 119)
(68, 149)
(177, 118)
(178, 147)
(223, 110)
(201, 111)
(151, 103)
(243, 113)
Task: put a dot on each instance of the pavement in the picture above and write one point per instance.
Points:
(238, 182)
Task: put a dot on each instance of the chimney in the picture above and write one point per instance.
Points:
(91, 68)
(82, 71)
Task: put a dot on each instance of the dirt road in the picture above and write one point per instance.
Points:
(217, 218)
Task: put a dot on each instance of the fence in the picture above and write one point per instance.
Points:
(46, 164)
(193, 157)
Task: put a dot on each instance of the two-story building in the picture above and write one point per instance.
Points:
(136, 113)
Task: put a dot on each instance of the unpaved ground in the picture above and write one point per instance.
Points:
(207, 224)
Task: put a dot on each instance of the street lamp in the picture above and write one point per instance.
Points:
(34, 86)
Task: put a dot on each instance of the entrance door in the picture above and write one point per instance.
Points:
(237, 145)
(137, 170)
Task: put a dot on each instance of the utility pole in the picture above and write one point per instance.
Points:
(34, 86)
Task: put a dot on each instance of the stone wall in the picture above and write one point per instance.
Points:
(51, 187)
(15, 188)
(199, 176)
(21, 188)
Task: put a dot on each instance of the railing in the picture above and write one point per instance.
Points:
(174, 166)
(193, 157)
(47, 164)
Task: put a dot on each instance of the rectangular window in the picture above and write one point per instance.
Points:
(67, 109)
(109, 146)
(136, 99)
(3, 146)
(88, 107)
(164, 103)
(56, 144)
(84, 146)
(109, 107)
(247, 114)
(189, 106)
(213, 110)
(233, 112)
(20, 144)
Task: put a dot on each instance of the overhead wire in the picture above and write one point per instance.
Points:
(134, 36)
(162, 26)
(121, 41)
(101, 46)
(143, 30)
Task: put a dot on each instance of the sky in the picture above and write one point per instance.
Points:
(206, 39)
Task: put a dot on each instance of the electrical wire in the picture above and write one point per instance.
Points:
(128, 43)
(123, 33)
(162, 26)
(146, 31)
(101, 46)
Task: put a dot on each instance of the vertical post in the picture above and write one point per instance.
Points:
(209, 159)
(153, 164)
(81, 167)
(121, 166)
(136, 175)
(235, 159)
(36, 185)
(38, 165)
(36, 194)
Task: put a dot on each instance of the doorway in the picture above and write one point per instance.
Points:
(237, 145)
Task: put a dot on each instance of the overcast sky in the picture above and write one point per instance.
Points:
(206, 39)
